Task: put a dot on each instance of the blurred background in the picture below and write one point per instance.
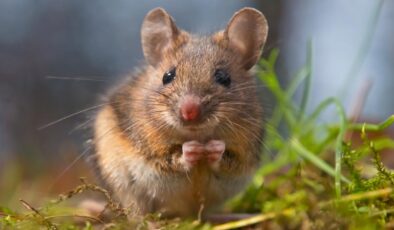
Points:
(42, 43)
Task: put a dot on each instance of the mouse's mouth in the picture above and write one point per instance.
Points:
(191, 130)
(195, 132)
(201, 127)
(192, 127)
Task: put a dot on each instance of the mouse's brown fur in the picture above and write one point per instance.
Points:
(138, 136)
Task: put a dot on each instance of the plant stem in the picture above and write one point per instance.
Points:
(254, 220)
(307, 86)
(305, 153)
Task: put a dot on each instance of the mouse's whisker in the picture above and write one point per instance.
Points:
(70, 115)
(237, 103)
(81, 125)
(245, 83)
(79, 157)
(75, 78)
(156, 91)
(244, 116)
(231, 126)
(236, 89)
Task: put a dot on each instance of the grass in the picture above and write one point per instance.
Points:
(318, 177)
(316, 161)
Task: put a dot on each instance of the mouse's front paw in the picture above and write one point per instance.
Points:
(192, 152)
(214, 150)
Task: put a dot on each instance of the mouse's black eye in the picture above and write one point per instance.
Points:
(222, 77)
(169, 76)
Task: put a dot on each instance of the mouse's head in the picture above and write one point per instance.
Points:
(201, 82)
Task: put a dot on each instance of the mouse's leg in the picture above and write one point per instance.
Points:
(192, 152)
(214, 150)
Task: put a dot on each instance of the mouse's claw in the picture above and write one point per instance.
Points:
(192, 152)
(214, 150)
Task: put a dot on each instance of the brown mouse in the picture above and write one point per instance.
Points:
(185, 131)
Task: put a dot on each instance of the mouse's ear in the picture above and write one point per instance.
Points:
(158, 34)
(246, 34)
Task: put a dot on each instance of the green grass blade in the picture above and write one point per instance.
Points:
(297, 80)
(305, 153)
(339, 139)
(307, 86)
(374, 127)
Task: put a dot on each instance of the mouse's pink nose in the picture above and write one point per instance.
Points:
(190, 108)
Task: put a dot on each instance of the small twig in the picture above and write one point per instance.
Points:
(202, 201)
(358, 196)
(29, 207)
(101, 214)
(10, 215)
(111, 204)
(254, 220)
(229, 217)
(200, 212)
(49, 224)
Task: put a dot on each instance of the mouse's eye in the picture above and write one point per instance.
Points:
(222, 77)
(169, 76)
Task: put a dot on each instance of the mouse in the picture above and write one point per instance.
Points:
(183, 133)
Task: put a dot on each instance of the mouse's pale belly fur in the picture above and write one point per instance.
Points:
(137, 184)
